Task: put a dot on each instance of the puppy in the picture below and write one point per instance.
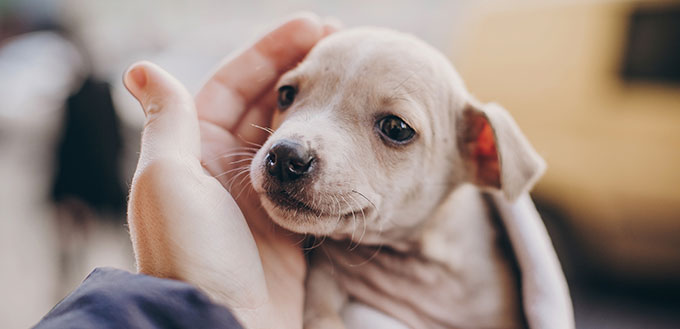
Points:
(379, 147)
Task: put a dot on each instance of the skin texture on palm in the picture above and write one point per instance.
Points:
(178, 211)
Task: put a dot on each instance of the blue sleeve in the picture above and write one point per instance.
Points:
(110, 298)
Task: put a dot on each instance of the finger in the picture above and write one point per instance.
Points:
(260, 113)
(240, 80)
(171, 126)
(223, 158)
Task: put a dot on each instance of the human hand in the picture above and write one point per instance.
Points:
(184, 224)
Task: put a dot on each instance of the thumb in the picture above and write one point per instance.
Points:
(171, 126)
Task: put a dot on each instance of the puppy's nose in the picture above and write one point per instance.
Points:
(288, 161)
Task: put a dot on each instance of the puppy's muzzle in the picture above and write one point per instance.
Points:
(288, 161)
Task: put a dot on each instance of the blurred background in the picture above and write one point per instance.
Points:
(595, 85)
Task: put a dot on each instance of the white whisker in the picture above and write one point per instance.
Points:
(363, 233)
(268, 130)
(242, 160)
(354, 223)
(231, 170)
(237, 151)
(241, 182)
(231, 181)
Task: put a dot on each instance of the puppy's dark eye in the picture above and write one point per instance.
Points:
(395, 129)
(286, 96)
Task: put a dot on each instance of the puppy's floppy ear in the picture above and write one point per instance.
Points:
(495, 151)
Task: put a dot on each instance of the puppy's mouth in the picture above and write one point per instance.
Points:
(287, 202)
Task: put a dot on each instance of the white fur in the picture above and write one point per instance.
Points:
(410, 235)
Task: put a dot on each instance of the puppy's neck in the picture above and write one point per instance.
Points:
(457, 259)
(462, 224)
(461, 216)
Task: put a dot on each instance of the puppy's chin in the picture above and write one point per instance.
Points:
(297, 220)
(300, 219)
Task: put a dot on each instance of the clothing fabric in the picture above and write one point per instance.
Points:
(112, 298)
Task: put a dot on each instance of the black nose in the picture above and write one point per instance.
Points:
(288, 161)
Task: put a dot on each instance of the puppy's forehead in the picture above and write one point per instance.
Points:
(384, 55)
(366, 70)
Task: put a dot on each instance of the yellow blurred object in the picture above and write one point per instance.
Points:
(612, 147)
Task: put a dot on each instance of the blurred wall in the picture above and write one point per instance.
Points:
(613, 148)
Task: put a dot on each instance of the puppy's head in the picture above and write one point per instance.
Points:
(373, 129)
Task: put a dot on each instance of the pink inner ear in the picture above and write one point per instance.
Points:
(485, 154)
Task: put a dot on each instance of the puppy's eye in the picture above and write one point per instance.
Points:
(395, 129)
(286, 96)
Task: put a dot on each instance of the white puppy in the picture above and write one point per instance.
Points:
(379, 147)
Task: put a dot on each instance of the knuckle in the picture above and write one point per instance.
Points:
(150, 119)
(156, 173)
(165, 172)
(172, 105)
(152, 109)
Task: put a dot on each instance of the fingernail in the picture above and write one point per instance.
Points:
(138, 76)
